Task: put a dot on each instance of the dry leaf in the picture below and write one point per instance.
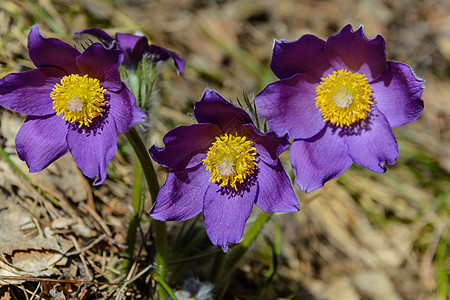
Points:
(6, 296)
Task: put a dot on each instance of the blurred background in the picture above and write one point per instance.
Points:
(362, 236)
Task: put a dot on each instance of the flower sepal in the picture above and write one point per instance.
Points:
(140, 81)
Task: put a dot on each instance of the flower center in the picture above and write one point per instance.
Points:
(344, 97)
(230, 159)
(78, 99)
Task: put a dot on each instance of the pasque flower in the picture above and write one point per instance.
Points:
(221, 167)
(337, 100)
(134, 47)
(75, 103)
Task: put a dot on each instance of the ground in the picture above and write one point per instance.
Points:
(363, 236)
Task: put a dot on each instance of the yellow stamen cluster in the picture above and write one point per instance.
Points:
(78, 99)
(344, 97)
(230, 159)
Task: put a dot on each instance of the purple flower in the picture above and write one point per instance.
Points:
(220, 167)
(75, 102)
(338, 100)
(134, 47)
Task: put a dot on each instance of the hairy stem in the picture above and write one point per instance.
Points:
(153, 186)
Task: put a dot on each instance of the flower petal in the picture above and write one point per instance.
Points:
(49, 52)
(133, 47)
(128, 41)
(181, 196)
(226, 211)
(103, 64)
(212, 108)
(352, 50)
(301, 56)
(160, 54)
(268, 145)
(93, 147)
(100, 34)
(289, 105)
(275, 189)
(319, 159)
(41, 140)
(397, 94)
(29, 92)
(374, 144)
(185, 146)
(124, 110)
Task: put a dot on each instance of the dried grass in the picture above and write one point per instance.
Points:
(363, 236)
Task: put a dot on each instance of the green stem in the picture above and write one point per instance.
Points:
(165, 286)
(145, 160)
(215, 273)
(135, 216)
(238, 252)
(153, 186)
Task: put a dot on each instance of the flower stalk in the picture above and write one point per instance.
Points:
(226, 262)
(135, 216)
(253, 232)
(153, 186)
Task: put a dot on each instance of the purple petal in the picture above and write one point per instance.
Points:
(301, 56)
(319, 159)
(268, 145)
(128, 41)
(397, 94)
(29, 92)
(275, 189)
(101, 35)
(103, 64)
(41, 140)
(133, 46)
(289, 105)
(374, 144)
(181, 196)
(352, 50)
(185, 146)
(226, 211)
(212, 108)
(161, 54)
(124, 110)
(93, 147)
(49, 52)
